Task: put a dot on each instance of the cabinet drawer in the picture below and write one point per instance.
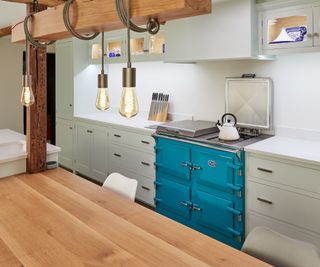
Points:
(283, 205)
(286, 174)
(140, 162)
(145, 142)
(145, 189)
(254, 220)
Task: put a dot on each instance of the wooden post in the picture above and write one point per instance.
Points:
(37, 113)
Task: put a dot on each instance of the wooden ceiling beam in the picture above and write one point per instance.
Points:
(101, 15)
(5, 31)
(49, 3)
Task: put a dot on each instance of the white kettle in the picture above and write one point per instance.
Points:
(228, 130)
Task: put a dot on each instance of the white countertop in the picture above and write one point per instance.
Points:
(288, 148)
(13, 146)
(139, 122)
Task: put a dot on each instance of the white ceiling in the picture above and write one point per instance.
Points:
(11, 13)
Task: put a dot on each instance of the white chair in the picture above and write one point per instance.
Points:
(280, 250)
(122, 185)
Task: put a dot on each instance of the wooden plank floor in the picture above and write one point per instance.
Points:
(58, 219)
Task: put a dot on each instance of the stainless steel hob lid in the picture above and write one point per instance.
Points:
(188, 128)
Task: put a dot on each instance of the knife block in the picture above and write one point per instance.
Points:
(159, 107)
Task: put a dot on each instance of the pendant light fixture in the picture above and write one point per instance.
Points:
(129, 103)
(102, 101)
(27, 97)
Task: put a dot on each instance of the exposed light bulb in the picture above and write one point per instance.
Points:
(102, 101)
(27, 97)
(129, 103)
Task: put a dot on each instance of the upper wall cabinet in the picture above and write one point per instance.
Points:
(292, 29)
(144, 47)
(230, 32)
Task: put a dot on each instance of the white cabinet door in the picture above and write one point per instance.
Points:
(316, 30)
(98, 153)
(64, 80)
(227, 33)
(288, 29)
(83, 135)
(64, 139)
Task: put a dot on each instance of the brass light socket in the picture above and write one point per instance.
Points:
(129, 77)
(102, 81)
(26, 80)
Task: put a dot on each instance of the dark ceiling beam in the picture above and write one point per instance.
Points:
(50, 3)
(5, 31)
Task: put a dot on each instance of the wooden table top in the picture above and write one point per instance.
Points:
(56, 218)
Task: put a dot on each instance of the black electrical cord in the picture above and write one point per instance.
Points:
(153, 25)
(67, 23)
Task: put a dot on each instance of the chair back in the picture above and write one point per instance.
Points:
(122, 185)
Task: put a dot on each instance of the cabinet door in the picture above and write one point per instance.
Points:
(212, 171)
(211, 213)
(173, 160)
(64, 135)
(83, 148)
(224, 34)
(64, 80)
(288, 29)
(98, 151)
(173, 199)
(316, 34)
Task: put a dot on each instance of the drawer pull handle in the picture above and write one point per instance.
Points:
(265, 170)
(117, 155)
(265, 201)
(145, 188)
(89, 131)
(70, 128)
(117, 135)
(145, 142)
(145, 163)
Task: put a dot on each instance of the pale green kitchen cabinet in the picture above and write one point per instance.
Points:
(91, 150)
(64, 139)
(64, 80)
(229, 32)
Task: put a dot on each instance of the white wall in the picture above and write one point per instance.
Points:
(10, 85)
(198, 89)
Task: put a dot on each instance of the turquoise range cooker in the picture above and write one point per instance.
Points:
(200, 180)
